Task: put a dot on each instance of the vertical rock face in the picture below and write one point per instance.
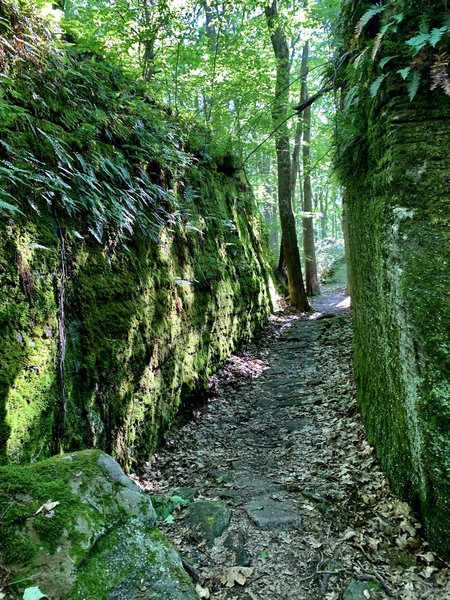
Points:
(395, 167)
(132, 260)
(144, 326)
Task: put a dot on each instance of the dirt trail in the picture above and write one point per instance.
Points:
(286, 498)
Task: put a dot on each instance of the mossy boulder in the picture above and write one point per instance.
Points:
(76, 521)
(209, 518)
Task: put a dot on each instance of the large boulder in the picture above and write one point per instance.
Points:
(75, 526)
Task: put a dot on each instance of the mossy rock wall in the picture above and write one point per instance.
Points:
(132, 260)
(396, 172)
(145, 326)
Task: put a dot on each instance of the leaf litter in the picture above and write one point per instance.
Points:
(282, 423)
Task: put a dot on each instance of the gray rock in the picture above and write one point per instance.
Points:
(114, 472)
(209, 518)
(355, 590)
(98, 541)
(133, 562)
(236, 543)
(267, 513)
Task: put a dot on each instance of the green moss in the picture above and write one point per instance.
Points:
(147, 322)
(23, 490)
(135, 560)
(398, 196)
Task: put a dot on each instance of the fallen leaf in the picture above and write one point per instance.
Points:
(427, 556)
(33, 593)
(428, 571)
(202, 592)
(232, 575)
(47, 507)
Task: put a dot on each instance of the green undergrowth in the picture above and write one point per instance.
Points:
(132, 261)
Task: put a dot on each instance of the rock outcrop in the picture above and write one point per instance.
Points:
(394, 164)
(76, 527)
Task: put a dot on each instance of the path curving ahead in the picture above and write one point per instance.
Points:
(286, 499)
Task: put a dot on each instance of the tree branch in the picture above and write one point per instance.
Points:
(304, 105)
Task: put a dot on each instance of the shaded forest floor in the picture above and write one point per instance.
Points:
(283, 497)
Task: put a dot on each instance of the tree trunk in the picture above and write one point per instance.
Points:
(291, 253)
(312, 280)
(148, 59)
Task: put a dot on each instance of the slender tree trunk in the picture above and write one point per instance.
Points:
(297, 292)
(295, 166)
(312, 280)
(148, 59)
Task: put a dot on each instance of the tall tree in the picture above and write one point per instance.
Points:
(312, 280)
(291, 252)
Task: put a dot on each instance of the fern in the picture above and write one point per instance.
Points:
(375, 86)
(439, 73)
(418, 42)
(404, 72)
(6, 206)
(384, 61)
(436, 35)
(413, 84)
(368, 16)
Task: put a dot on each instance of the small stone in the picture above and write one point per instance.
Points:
(355, 590)
(267, 513)
(209, 518)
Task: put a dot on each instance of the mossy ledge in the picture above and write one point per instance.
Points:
(395, 166)
(132, 261)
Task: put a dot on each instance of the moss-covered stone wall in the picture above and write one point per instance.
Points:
(145, 324)
(394, 163)
(132, 260)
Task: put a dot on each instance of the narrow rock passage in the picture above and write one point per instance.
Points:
(285, 497)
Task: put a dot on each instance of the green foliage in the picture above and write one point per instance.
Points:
(415, 54)
(368, 16)
(375, 85)
(413, 84)
(165, 506)
(81, 137)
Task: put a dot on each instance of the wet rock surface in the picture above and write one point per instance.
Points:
(282, 444)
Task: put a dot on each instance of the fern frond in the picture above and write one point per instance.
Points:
(368, 16)
(439, 72)
(413, 84)
(6, 206)
(374, 88)
(437, 34)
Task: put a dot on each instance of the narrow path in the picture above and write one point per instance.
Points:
(286, 499)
